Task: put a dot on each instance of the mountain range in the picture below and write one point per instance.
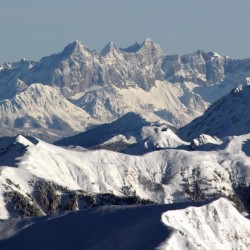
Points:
(40, 179)
(109, 84)
(29, 165)
(109, 147)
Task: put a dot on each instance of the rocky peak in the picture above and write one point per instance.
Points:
(73, 47)
(214, 54)
(76, 50)
(148, 42)
(110, 48)
(226, 117)
(149, 46)
(197, 67)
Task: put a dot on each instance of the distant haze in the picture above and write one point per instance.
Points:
(32, 29)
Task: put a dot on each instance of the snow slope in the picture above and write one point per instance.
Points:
(175, 226)
(228, 116)
(164, 176)
(214, 226)
(130, 129)
(174, 103)
(205, 142)
(164, 138)
(42, 107)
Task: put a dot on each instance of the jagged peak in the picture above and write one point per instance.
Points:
(110, 47)
(198, 52)
(77, 44)
(73, 47)
(149, 44)
(204, 54)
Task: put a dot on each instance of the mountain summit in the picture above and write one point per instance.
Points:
(140, 78)
(227, 117)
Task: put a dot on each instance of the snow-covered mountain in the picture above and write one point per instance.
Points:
(174, 103)
(174, 226)
(39, 108)
(164, 138)
(77, 68)
(130, 101)
(228, 116)
(205, 142)
(132, 133)
(140, 79)
(165, 176)
(214, 226)
(198, 67)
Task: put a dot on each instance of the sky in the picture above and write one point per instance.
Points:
(32, 29)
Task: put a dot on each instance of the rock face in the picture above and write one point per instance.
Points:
(77, 68)
(109, 84)
(198, 67)
(227, 117)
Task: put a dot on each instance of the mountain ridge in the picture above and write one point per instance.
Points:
(163, 176)
(174, 88)
(126, 227)
(226, 117)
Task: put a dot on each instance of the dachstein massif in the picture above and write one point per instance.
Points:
(125, 149)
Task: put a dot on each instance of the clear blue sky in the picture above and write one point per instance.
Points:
(34, 28)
